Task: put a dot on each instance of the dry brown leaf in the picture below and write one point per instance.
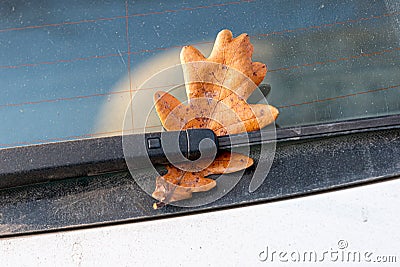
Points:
(217, 88)
(178, 184)
(216, 84)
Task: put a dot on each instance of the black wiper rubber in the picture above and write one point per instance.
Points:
(312, 131)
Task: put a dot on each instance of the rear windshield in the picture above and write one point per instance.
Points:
(64, 65)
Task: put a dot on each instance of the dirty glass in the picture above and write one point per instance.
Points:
(64, 65)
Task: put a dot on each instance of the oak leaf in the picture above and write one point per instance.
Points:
(217, 88)
(178, 184)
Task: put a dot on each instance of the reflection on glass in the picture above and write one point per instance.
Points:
(64, 65)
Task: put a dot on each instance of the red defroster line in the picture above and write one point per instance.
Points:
(327, 25)
(80, 97)
(59, 61)
(337, 60)
(341, 96)
(121, 17)
(61, 99)
(199, 43)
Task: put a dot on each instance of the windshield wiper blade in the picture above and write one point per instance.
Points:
(26, 165)
(299, 133)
